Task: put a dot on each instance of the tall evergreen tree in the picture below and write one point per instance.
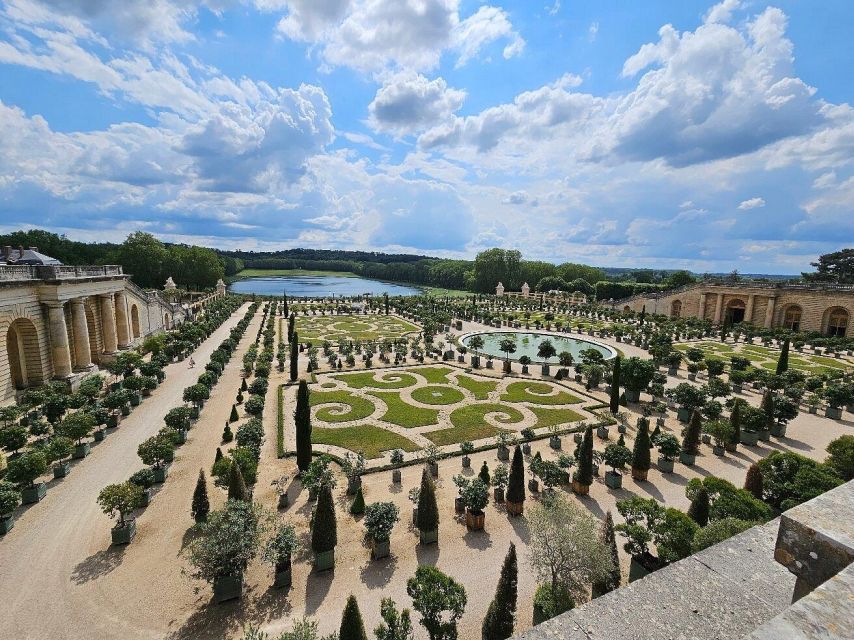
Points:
(352, 626)
(615, 387)
(484, 473)
(291, 327)
(615, 576)
(516, 479)
(385, 302)
(218, 455)
(691, 439)
(783, 361)
(501, 614)
(294, 361)
(584, 474)
(302, 421)
(236, 485)
(201, 505)
(754, 481)
(428, 510)
(233, 417)
(641, 459)
(285, 301)
(243, 385)
(699, 509)
(768, 408)
(324, 529)
(735, 421)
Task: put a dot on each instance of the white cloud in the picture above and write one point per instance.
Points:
(409, 102)
(752, 203)
(722, 12)
(592, 31)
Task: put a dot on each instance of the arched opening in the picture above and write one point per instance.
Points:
(792, 317)
(134, 321)
(837, 322)
(735, 311)
(22, 348)
(167, 321)
(676, 309)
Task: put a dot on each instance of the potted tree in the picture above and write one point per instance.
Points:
(635, 375)
(144, 479)
(10, 498)
(554, 438)
(721, 432)
(324, 530)
(380, 518)
(752, 420)
(785, 409)
(640, 454)
(476, 343)
(528, 434)
(506, 346)
(525, 361)
(155, 452)
(688, 397)
(616, 456)
(500, 477)
(277, 552)
(516, 484)
(353, 467)
(475, 497)
(120, 500)
(396, 458)
(77, 426)
(546, 350)
(467, 448)
(24, 470)
(502, 440)
(583, 476)
(668, 449)
(427, 516)
(431, 456)
(58, 451)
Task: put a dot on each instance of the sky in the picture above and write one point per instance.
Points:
(657, 134)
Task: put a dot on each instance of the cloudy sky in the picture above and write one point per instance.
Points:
(660, 134)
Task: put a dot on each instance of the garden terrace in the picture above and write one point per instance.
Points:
(338, 328)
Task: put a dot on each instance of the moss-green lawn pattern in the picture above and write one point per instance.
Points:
(346, 328)
(388, 380)
(359, 407)
(367, 438)
(550, 416)
(404, 414)
(479, 388)
(437, 394)
(537, 393)
(433, 375)
(766, 357)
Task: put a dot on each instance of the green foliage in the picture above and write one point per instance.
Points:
(10, 498)
(324, 530)
(753, 481)
(281, 545)
(24, 469)
(200, 506)
(143, 478)
(395, 626)
(227, 541)
(439, 599)
(584, 474)
(617, 456)
(120, 499)
(227, 434)
(428, 510)
(616, 381)
(12, 438)
(551, 601)
(155, 451)
(640, 455)
(699, 509)
(484, 473)
(718, 531)
(352, 626)
(302, 419)
(380, 518)
(236, 485)
(841, 456)
(357, 507)
(636, 374)
(728, 501)
(59, 448)
(516, 480)
(790, 479)
(501, 614)
(77, 425)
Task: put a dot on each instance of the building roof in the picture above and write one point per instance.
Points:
(20, 256)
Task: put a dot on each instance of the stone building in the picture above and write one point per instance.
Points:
(826, 308)
(61, 322)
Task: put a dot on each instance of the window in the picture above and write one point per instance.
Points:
(792, 318)
(837, 323)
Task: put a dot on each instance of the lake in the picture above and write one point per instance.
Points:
(320, 286)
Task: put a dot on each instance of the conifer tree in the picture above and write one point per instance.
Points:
(584, 475)
(324, 530)
(783, 361)
(691, 440)
(735, 421)
(233, 417)
(501, 614)
(621, 440)
(358, 506)
(428, 510)
(768, 408)
(294, 362)
(302, 421)
(291, 331)
(641, 460)
(484, 473)
(615, 576)
(352, 626)
(754, 481)
(699, 507)
(516, 479)
(243, 385)
(285, 307)
(615, 387)
(236, 485)
(227, 435)
(218, 455)
(201, 505)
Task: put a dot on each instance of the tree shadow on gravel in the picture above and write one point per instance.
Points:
(376, 574)
(520, 526)
(427, 553)
(480, 540)
(317, 588)
(98, 564)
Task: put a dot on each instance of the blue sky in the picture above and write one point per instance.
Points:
(656, 134)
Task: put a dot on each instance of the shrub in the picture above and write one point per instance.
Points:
(12, 438)
(439, 599)
(77, 426)
(552, 601)
(584, 474)
(59, 448)
(119, 500)
(10, 498)
(250, 435)
(841, 456)
(484, 474)
(753, 481)
(324, 530)
(728, 501)
(617, 456)
(790, 479)
(302, 420)
(357, 508)
(178, 417)
(254, 406)
(691, 440)
(155, 451)
(428, 510)
(144, 478)
(380, 518)
(24, 469)
(281, 545)
(718, 531)
(640, 454)
(227, 542)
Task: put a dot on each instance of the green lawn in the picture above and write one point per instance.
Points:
(404, 414)
(461, 434)
(360, 408)
(438, 395)
(433, 375)
(389, 380)
(346, 328)
(525, 391)
(548, 416)
(473, 415)
(480, 388)
(367, 438)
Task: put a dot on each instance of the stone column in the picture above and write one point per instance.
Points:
(769, 311)
(701, 313)
(122, 329)
(719, 303)
(748, 312)
(82, 347)
(59, 340)
(108, 323)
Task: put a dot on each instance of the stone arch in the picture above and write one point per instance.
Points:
(836, 321)
(792, 315)
(24, 353)
(676, 309)
(134, 321)
(735, 310)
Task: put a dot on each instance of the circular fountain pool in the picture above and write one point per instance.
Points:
(528, 343)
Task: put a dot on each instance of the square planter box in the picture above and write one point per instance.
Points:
(428, 537)
(283, 576)
(146, 497)
(61, 469)
(459, 505)
(665, 465)
(503, 453)
(555, 443)
(749, 438)
(834, 413)
(161, 473)
(124, 535)
(395, 476)
(100, 434)
(778, 430)
(498, 494)
(227, 588)
(602, 432)
(380, 549)
(683, 414)
(475, 521)
(765, 435)
(706, 438)
(112, 421)
(688, 459)
(526, 449)
(81, 451)
(34, 494)
(6, 524)
(718, 450)
(182, 436)
(135, 399)
(325, 560)
(466, 462)
(613, 480)
(126, 410)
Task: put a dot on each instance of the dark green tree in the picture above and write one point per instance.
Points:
(691, 439)
(294, 357)
(352, 626)
(584, 474)
(609, 539)
(236, 485)
(358, 506)
(201, 505)
(699, 509)
(439, 599)
(783, 361)
(768, 408)
(753, 481)
(501, 614)
(227, 435)
(233, 417)
(302, 420)
(324, 530)
(640, 455)
(516, 480)
(615, 387)
(291, 323)
(428, 510)
(484, 473)
(735, 421)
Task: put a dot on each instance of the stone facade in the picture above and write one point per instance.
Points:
(827, 309)
(61, 322)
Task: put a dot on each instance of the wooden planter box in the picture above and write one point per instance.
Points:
(283, 575)
(718, 450)
(100, 434)
(683, 414)
(778, 430)
(602, 432)
(459, 505)
(380, 549)
(34, 494)
(324, 560)
(428, 537)
(640, 474)
(124, 535)
(613, 480)
(466, 462)
(503, 453)
(498, 494)
(834, 413)
(665, 465)
(475, 521)
(580, 489)
(161, 473)
(227, 588)
(515, 508)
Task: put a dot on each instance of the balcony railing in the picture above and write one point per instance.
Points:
(20, 273)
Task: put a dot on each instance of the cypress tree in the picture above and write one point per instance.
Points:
(324, 531)
(428, 510)
(655, 433)
(615, 387)
(302, 420)
(218, 455)
(385, 300)
(294, 357)
(484, 473)
(352, 626)
(501, 614)
(699, 509)
(516, 479)
(735, 421)
(201, 505)
(291, 322)
(233, 417)
(584, 475)
(243, 385)
(768, 408)
(227, 435)
(358, 506)
(615, 576)
(621, 440)
(285, 300)
(641, 460)
(236, 486)
(783, 362)
(691, 440)
(754, 481)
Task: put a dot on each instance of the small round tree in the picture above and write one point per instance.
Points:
(24, 469)
(120, 500)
